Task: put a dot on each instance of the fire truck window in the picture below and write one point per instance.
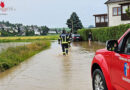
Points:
(127, 46)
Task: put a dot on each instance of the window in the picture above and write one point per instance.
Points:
(97, 19)
(106, 19)
(124, 9)
(127, 46)
(116, 11)
(124, 45)
(102, 18)
(119, 11)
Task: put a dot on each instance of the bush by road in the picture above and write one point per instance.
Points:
(15, 55)
(104, 34)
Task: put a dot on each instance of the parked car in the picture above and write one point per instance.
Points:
(76, 37)
(111, 66)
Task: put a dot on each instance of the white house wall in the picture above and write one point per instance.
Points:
(115, 20)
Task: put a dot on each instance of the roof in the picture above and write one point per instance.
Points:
(100, 14)
(114, 1)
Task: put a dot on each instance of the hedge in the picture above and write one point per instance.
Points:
(105, 33)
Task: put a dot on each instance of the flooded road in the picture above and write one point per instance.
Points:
(49, 70)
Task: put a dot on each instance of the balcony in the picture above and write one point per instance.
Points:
(102, 24)
(101, 20)
(124, 17)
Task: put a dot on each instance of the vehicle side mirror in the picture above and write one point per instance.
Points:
(112, 45)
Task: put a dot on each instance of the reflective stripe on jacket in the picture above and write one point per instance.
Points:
(64, 38)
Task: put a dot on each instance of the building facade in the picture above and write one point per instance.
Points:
(116, 14)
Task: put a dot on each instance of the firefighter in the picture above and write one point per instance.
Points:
(63, 40)
(58, 40)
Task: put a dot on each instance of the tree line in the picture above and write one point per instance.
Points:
(9, 29)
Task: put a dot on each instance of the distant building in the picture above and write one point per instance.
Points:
(116, 13)
(4, 27)
(36, 30)
(22, 28)
(52, 32)
(11, 31)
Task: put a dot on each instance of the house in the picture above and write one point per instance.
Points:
(21, 30)
(4, 27)
(52, 32)
(36, 30)
(116, 13)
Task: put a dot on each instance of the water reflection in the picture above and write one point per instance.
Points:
(90, 47)
(67, 68)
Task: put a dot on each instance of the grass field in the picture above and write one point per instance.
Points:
(28, 38)
(15, 55)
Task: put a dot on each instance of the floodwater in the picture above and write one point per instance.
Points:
(4, 46)
(49, 70)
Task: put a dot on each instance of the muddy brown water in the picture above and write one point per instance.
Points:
(49, 70)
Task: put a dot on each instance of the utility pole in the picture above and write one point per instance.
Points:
(72, 26)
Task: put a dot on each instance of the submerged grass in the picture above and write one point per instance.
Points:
(15, 55)
(27, 38)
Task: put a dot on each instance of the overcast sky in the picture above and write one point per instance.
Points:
(52, 13)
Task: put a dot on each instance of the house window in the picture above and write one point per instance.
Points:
(106, 19)
(124, 9)
(102, 18)
(119, 11)
(97, 19)
(116, 11)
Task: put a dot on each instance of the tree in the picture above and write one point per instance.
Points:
(29, 32)
(74, 23)
(90, 26)
(128, 12)
(44, 30)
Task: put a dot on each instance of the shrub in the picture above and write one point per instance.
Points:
(15, 55)
(105, 33)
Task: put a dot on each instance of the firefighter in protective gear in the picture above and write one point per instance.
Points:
(63, 40)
